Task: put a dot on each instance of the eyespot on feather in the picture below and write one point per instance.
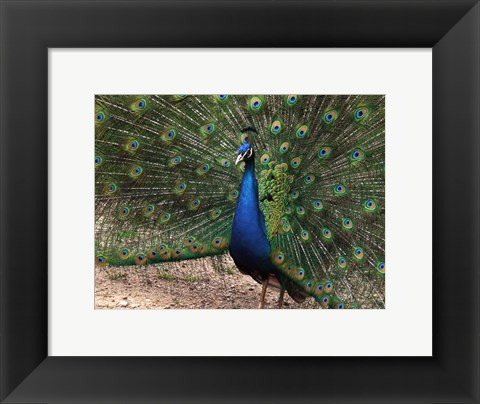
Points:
(278, 257)
(360, 113)
(370, 205)
(291, 100)
(318, 205)
(276, 127)
(140, 259)
(301, 131)
(342, 263)
(324, 152)
(295, 162)
(100, 261)
(326, 234)
(358, 253)
(330, 116)
(339, 190)
(380, 267)
(255, 103)
(124, 254)
(347, 224)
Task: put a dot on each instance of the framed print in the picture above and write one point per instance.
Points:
(180, 283)
(62, 343)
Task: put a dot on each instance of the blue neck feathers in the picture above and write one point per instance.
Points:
(249, 246)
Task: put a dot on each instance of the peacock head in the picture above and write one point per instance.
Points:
(245, 153)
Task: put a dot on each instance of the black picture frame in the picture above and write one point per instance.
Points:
(29, 28)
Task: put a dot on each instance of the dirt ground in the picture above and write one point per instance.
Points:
(207, 283)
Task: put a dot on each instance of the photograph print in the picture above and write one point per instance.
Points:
(240, 201)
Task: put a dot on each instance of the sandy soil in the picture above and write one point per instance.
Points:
(207, 283)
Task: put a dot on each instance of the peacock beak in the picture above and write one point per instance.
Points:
(239, 158)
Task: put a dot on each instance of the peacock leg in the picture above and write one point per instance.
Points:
(280, 298)
(262, 296)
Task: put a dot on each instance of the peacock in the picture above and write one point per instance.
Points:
(291, 186)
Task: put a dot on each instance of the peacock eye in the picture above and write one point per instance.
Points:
(309, 179)
(98, 160)
(330, 116)
(291, 100)
(222, 97)
(100, 117)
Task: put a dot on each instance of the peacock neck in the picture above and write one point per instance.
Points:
(248, 204)
(249, 245)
